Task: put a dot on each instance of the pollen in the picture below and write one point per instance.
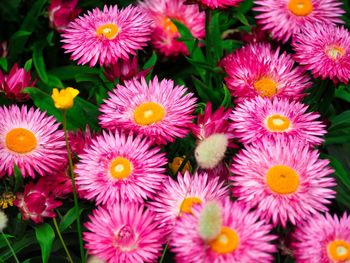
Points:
(109, 31)
(266, 87)
(149, 113)
(282, 179)
(300, 7)
(21, 140)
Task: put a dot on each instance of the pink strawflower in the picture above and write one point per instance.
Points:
(325, 50)
(62, 12)
(221, 171)
(36, 202)
(213, 4)
(283, 180)
(323, 239)
(107, 36)
(159, 110)
(242, 238)
(284, 18)
(124, 233)
(264, 118)
(14, 82)
(165, 32)
(178, 197)
(256, 70)
(124, 70)
(118, 167)
(31, 140)
(79, 140)
(59, 184)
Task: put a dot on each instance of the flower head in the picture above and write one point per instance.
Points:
(325, 50)
(264, 118)
(6, 199)
(14, 83)
(124, 232)
(242, 237)
(64, 98)
(36, 202)
(323, 239)
(283, 180)
(256, 70)
(284, 18)
(61, 13)
(161, 111)
(3, 220)
(213, 4)
(165, 33)
(107, 35)
(31, 140)
(119, 167)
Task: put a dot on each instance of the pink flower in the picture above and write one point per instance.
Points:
(242, 237)
(283, 180)
(124, 233)
(325, 50)
(36, 202)
(322, 239)
(165, 32)
(61, 12)
(284, 18)
(107, 35)
(79, 140)
(213, 4)
(14, 82)
(161, 110)
(256, 70)
(124, 70)
(264, 118)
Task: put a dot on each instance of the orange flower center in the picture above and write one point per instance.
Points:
(300, 7)
(188, 202)
(148, 113)
(109, 31)
(169, 26)
(120, 168)
(21, 140)
(226, 242)
(266, 87)
(177, 162)
(277, 123)
(282, 179)
(335, 52)
(339, 250)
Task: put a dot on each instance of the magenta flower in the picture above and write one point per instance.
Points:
(325, 50)
(107, 36)
(124, 233)
(36, 202)
(213, 4)
(283, 180)
(62, 12)
(14, 82)
(284, 18)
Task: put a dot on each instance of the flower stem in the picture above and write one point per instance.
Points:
(62, 241)
(64, 120)
(11, 248)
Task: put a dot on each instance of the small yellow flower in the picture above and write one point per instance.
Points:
(6, 199)
(175, 165)
(64, 99)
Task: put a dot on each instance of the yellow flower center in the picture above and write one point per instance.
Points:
(300, 7)
(188, 202)
(282, 179)
(169, 26)
(148, 113)
(21, 140)
(226, 242)
(120, 168)
(277, 123)
(7, 199)
(266, 87)
(339, 250)
(177, 162)
(109, 31)
(64, 99)
(335, 52)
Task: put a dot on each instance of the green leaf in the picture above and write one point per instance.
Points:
(241, 17)
(340, 119)
(70, 72)
(28, 65)
(39, 62)
(151, 62)
(19, 34)
(45, 236)
(19, 179)
(69, 218)
(340, 172)
(3, 64)
(227, 101)
(343, 92)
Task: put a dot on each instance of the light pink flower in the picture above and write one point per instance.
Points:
(325, 50)
(31, 140)
(107, 36)
(36, 202)
(165, 32)
(247, 238)
(283, 180)
(256, 70)
(284, 18)
(264, 118)
(118, 167)
(159, 110)
(61, 12)
(124, 233)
